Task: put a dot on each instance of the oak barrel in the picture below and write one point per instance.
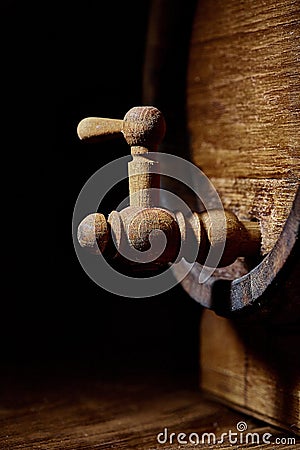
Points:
(226, 75)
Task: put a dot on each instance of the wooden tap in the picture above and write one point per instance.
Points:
(135, 228)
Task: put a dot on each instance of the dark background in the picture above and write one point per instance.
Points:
(63, 62)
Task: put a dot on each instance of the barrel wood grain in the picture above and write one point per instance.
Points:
(243, 117)
(243, 106)
(253, 366)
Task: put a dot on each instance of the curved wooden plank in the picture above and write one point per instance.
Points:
(239, 75)
(243, 112)
(226, 296)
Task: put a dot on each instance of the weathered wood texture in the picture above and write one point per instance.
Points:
(252, 361)
(243, 120)
(253, 366)
(243, 115)
(271, 288)
(104, 412)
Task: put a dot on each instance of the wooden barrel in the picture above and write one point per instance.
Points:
(226, 76)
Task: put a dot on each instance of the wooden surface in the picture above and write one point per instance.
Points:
(253, 366)
(243, 106)
(238, 121)
(262, 288)
(75, 411)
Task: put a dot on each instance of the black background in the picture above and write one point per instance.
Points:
(62, 62)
